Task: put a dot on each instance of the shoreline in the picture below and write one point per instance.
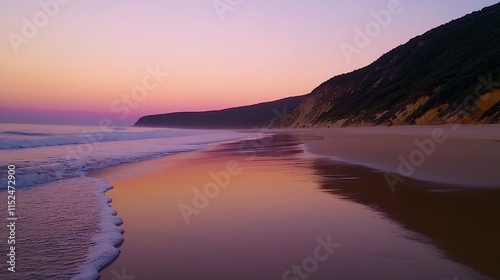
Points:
(150, 191)
(466, 157)
(344, 140)
(348, 146)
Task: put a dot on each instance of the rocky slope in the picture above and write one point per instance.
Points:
(447, 75)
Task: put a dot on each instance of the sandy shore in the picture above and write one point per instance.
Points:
(255, 209)
(467, 155)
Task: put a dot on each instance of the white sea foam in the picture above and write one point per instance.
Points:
(69, 230)
(108, 237)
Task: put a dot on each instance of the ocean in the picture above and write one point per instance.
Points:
(65, 227)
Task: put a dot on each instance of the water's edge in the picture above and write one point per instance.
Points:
(104, 249)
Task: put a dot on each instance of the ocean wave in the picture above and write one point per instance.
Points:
(46, 164)
(26, 133)
(36, 173)
(22, 139)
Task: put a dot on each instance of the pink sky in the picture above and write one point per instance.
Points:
(87, 56)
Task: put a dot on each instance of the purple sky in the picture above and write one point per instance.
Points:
(89, 59)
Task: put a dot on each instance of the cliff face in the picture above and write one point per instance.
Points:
(447, 75)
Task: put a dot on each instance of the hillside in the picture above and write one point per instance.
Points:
(448, 75)
(252, 116)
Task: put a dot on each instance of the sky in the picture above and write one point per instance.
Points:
(80, 61)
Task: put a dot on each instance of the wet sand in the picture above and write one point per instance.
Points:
(275, 205)
(465, 155)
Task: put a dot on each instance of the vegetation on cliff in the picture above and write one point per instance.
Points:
(448, 75)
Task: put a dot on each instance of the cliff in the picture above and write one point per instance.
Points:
(448, 75)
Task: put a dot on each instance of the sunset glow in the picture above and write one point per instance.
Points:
(88, 55)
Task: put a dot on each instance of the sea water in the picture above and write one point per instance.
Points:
(66, 228)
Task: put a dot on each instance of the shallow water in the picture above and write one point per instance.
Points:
(65, 230)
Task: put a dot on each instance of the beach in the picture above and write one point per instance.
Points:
(462, 155)
(312, 203)
(250, 140)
